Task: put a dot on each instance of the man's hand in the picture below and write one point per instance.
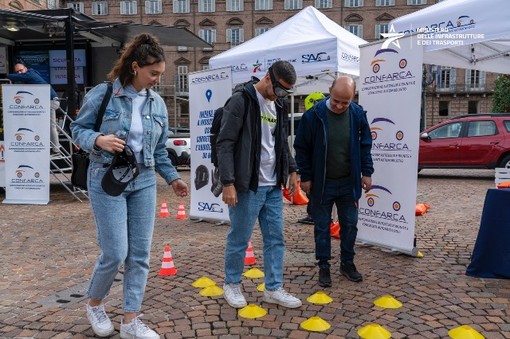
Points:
(306, 186)
(292, 183)
(180, 188)
(230, 195)
(366, 183)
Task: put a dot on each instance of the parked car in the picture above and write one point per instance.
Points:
(178, 147)
(467, 141)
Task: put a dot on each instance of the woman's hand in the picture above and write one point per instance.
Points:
(180, 187)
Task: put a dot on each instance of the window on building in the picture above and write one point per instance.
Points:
(385, 2)
(473, 107)
(379, 29)
(100, 8)
(77, 6)
(293, 4)
(208, 34)
(416, 2)
(355, 29)
(353, 3)
(235, 36)
(235, 5)
(444, 108)
(182, 79)
(181, 6)
(128, 7)
(263, 5)
(475, 80)
(206, 67)
(260, 30)
(324, 3)
(206, 6)
(52, 4)
(445, 79)
(153, 7)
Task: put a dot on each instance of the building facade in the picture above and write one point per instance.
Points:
(228, 23)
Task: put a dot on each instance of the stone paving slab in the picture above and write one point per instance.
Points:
(50, 250)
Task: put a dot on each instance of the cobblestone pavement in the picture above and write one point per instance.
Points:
(47, 254)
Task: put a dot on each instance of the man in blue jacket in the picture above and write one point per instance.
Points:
(254, 161)
(333, 146)
(25, 75)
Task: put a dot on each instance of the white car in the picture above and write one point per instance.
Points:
(178, 147)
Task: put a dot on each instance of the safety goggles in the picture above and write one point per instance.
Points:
(279, 90)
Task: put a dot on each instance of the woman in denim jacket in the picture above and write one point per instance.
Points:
(136, 116)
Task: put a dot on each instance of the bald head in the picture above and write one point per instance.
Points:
(341, 92)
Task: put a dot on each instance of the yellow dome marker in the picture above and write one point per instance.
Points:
(374, 331)
(254, 273)
(387, 301)
(252, 311)
(315, 324)
(261, 287)
(464, 332)
(211, 291)
(203, 282)
(319, 298)
(419, 254)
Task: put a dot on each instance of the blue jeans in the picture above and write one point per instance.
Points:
(266, 205)
(337, 192)
(124, 227)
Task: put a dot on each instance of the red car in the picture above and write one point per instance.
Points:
(467, 141)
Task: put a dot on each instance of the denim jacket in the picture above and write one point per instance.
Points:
(117, 117)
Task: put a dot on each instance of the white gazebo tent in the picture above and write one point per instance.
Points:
(469, 34)
(318, 48)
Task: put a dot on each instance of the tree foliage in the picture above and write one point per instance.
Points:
(501, 98)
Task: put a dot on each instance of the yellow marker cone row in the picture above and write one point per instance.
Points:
(374, 331)
(319, 298)
(211, 291)
(252, 311)
(261, 287)
(203, 282)
(315, 324)
(464, 332)
(387, 301)
(254, 273)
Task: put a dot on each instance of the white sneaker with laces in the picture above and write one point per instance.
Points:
(233, 295)
(101, 324)
(136, 329)
(281, 297)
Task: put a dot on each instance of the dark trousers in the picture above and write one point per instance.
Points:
(338, 192)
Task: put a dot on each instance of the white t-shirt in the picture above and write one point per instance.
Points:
(135, 139)
(267, 174)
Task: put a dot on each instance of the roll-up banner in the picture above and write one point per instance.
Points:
(208, 90)
(26, 111)
(390, 91)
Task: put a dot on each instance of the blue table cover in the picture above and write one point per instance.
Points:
(491, 254)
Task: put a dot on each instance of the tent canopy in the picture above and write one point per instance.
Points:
(316, 46)
(468, 34)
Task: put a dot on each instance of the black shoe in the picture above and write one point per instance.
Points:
(306, 220)
(350, 272)
(324, 277)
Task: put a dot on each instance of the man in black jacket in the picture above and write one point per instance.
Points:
(254, 161)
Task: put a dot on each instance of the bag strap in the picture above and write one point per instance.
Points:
(104, 103)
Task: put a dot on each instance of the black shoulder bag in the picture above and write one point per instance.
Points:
(80, 158)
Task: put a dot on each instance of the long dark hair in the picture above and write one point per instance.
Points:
(144, 49)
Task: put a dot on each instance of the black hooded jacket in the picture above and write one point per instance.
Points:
(239, 141)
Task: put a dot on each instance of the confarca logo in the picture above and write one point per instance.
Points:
(373, 197)
(26, 174)
(23, 100)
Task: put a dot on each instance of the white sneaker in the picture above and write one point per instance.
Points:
(233, 295)
(136, 329)
(101, 324)
(281, 297)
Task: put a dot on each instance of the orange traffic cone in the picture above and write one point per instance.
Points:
(181, 213)
(167, 265)
(163, 213)
(249, 259)
(334, 229)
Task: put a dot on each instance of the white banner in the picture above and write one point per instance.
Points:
(208, 90)
(26, 111)
(390, 92)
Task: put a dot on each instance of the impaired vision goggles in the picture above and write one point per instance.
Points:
(279, 90)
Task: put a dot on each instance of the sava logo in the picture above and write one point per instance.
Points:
(317, 57)
(210, 207)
